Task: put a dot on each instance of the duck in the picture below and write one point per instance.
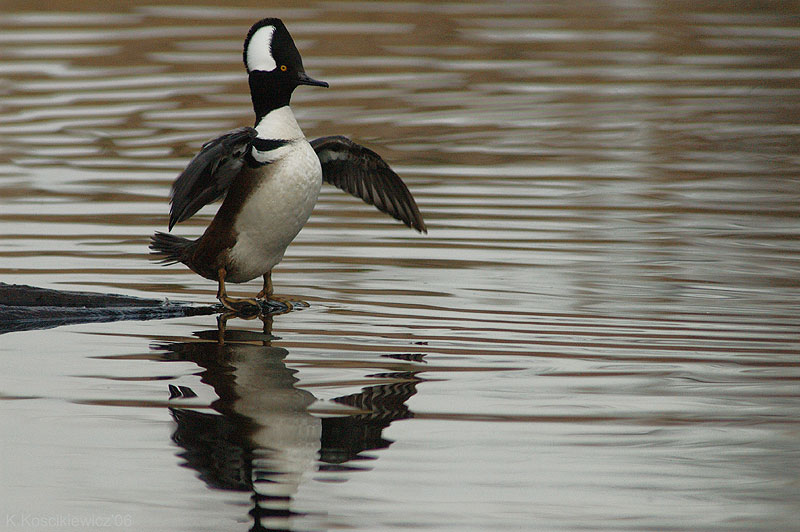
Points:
(269, 177)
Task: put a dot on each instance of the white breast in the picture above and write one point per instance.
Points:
(280, 123)
(277, 208)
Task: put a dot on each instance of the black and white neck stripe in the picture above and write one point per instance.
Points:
(263, 151)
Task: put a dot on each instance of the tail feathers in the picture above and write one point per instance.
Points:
(169, 249)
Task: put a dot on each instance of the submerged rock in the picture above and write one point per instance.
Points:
(25, 307)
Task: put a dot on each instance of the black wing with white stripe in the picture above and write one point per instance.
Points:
(208, 176)
(364, 174)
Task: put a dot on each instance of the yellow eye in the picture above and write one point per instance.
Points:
(283, 68)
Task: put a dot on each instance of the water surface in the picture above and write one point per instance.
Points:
(600, 332)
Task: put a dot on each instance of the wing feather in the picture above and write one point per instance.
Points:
(208, 175)
(363, 173)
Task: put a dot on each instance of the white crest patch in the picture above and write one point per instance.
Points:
(259, 50)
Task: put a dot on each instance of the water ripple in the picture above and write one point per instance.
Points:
(601, 323)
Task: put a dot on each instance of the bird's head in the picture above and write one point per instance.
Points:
(271, 55)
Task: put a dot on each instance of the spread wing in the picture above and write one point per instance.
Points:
(208, 176)
(361, 172)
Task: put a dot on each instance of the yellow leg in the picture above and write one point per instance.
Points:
(231, 303)
(266, 292)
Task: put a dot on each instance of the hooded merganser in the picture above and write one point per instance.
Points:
(270, 176)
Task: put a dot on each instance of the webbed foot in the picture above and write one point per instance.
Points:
(244, 307)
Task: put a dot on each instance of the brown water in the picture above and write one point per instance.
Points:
(600, 332)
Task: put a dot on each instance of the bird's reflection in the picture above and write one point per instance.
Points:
(261, 437)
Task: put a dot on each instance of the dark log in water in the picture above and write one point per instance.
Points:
(28, 307)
